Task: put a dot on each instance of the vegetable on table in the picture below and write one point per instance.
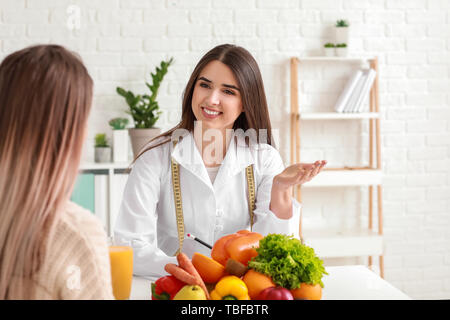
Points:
(187, 265)
(288, 262)
(230, 288)
(256, 282)
(180, 273)
(218, 251)
(209, 269)
(275, 293)
(240, 246)
(165, 288)
(186, 272)
(307, 292)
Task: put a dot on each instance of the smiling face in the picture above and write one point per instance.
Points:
(216, 100)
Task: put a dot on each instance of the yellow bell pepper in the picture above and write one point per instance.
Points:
(230, 288)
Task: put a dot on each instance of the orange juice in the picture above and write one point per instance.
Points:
(121, 259)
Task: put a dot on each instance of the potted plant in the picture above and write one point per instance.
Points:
(342, 28)
(145, 109)
(341, 49)
(120, 139)
(329, 49)
(102, 148)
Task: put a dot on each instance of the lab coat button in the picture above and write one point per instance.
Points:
(218, 228)
(219, 213)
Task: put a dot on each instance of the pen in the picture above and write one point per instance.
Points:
(198, 240)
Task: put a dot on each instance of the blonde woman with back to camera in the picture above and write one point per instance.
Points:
(50, 248)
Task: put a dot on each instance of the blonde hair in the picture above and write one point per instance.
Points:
(45, 99)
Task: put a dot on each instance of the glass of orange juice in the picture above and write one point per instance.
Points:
(121, 259)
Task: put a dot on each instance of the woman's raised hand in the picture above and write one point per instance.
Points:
(298, 173)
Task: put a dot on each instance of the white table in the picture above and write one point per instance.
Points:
(342, 283)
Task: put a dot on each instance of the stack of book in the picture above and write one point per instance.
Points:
(356, 91)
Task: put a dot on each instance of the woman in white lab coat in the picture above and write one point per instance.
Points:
(215, 173)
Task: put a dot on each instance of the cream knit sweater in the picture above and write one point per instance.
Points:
(77, 263)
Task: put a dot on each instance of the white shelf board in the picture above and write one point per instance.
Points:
(338, 116)
(351, 243)
(104, 166)
(343, 59)
(331, 178)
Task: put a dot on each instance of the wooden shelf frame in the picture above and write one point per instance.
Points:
(373, 116)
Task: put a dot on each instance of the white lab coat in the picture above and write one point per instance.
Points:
(147, 220)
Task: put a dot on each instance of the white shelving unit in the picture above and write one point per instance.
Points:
(104, 166)
(338, 116)
(338, 243)
(348, 243)
(346, 177)
(110, 169)
(335, 59)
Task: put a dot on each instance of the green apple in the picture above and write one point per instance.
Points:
(190, 292)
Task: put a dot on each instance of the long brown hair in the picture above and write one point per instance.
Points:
(45, 99)
(248, 76)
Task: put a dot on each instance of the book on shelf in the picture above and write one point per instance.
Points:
(368, 81)
(356, 91)
(347, 92)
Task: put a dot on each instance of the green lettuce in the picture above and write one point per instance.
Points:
(287, 261)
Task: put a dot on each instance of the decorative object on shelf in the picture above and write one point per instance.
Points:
(120, 139)
(102, 148)
(342, 31)
(329, 49)
(341, 49)
(145, 109)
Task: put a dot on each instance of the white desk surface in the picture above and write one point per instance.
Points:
(342, 283)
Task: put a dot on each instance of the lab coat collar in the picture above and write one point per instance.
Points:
(239, 155)
(237, 158)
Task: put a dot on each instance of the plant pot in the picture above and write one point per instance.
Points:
(329, 52)
(102, 154)
(341, 52)
(140, 137)
(342, 34)
(120, 145)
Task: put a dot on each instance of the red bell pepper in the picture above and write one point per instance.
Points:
(275, 293)
(166, 288)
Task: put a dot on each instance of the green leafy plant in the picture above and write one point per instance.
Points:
(101, 141)
(287, 261)
(342, 23)
(329, 45)
(341, 45)
(118, 123)
(144, 108)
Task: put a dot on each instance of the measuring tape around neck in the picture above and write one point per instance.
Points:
(175, 167)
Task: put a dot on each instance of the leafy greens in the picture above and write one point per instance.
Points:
(287, 261)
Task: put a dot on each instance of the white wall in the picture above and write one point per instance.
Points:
(121, 41)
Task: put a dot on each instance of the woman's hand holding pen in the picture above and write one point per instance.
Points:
(299, 173)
